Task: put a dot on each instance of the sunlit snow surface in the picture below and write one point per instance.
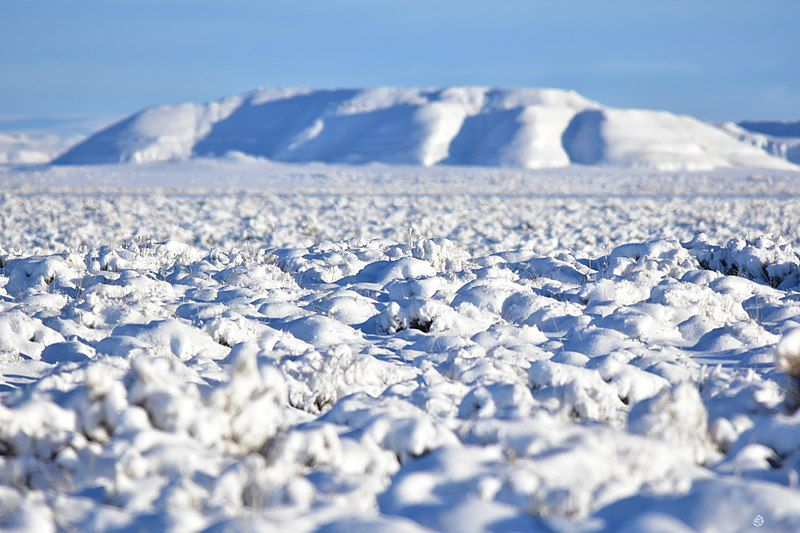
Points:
(249, 346)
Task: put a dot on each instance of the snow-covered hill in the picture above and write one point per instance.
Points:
(778, 138)
(523, 128)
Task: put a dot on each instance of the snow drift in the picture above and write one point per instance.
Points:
(521, 128)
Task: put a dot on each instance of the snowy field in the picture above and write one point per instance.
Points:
(242, 345)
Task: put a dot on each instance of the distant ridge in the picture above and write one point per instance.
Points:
(521, 128)
(774, 128)
(781, 139)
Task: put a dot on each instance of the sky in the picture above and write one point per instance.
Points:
(715, 59)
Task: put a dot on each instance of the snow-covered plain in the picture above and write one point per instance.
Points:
(240, 345)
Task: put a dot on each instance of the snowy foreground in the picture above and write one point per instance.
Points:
(549, 358)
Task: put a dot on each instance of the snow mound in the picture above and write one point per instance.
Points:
(521, 128)
(309, 362)
(401, 385)
(773, 262)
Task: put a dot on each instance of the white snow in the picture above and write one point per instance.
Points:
(786, 145)
(236, 345)
(23, 148)
(655, 139)
(519, 128)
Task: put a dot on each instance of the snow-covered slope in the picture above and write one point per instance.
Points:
(523, 128)
(778, 138)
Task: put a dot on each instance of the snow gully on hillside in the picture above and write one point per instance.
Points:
(381, 385)
(522, 128)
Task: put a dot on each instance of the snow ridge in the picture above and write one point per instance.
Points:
(781, 139)
(518, 128)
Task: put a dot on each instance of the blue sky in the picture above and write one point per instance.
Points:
(717, 59)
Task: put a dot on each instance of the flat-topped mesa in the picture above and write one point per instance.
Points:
(518, 128)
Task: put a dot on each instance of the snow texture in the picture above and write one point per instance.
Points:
(303, 361)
